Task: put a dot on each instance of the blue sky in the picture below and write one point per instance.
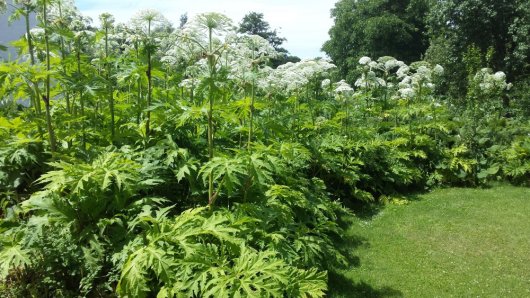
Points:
(305, 24)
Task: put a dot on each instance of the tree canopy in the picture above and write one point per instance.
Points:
(254, 23)
(376, 28)
(454, 33)
(498, 30)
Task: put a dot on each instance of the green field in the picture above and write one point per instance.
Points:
(448, 243)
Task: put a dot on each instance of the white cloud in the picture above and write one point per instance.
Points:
(305, 24)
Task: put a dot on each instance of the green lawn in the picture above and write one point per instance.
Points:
(448, 243)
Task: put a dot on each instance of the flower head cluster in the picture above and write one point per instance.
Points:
(296, 75)
(365, 60)
(384, 64)
(342, 87)
(417, 78)
(200, 27)
(342, 91)
(204, 33)
(325, 83)
(246, 54)
(411, 80)
(252, 47)
(490, 82)
(37, 32)
(242, 55)
(149, 20)
(376, 73)
(63, 14)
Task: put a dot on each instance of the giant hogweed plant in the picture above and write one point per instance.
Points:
(93, 195)
(482, 124)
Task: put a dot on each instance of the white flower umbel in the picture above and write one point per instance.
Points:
(490, 82)
(37, 32)
(405, 82)
(246, 54)
(407, 93)
(203, 26)
(369, 80)
(325, 83)
(365, 60)
(148, 20)
(499, 76)
(438, 70)
(403, 71)
(390, 64)
(296, 75)
(342, 87)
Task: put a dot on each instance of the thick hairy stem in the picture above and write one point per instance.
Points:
(411, 136)
(63, 59)
(385, 98)
(166, 84)
(109, 85)
(30, 39)
(46, 98)
(211, 62)
(348, 122)
(149, 81)
(211, 198)
(149, 93)
(251, 120)
(34, 101)
(81, 99)
(139, 99)
(139, 103)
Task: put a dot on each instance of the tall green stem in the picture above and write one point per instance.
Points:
(139, 99)
(252, 99)
(211, 65)
(149, 79)
(27, 11)
(63, 58)
(46, 98)
(109, 84)
(81, 99)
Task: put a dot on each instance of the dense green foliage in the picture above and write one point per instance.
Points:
(140, 160)
(451, 242)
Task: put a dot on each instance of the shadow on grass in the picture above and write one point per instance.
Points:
(340, 286)
(368, 210)
(348, 244)
(362, 210)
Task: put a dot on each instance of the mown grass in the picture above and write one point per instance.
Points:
(448, 243)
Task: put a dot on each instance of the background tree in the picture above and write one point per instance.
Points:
(376, 28)
(183, 20)
(254, 23)
(501, 28)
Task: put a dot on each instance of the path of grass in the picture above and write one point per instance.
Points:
(449, 243)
